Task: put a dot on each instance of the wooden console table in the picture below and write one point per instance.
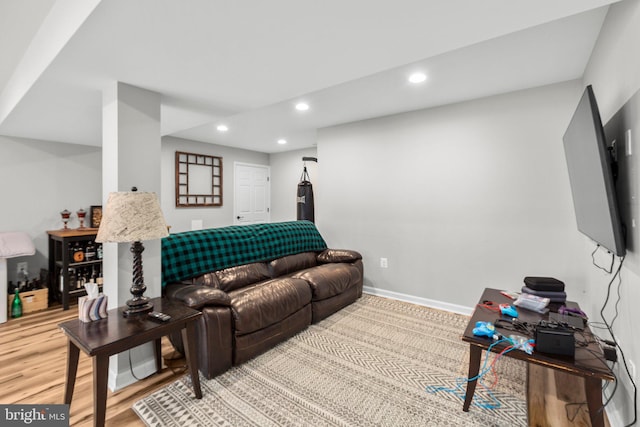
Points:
(588, 362)
(115, 334)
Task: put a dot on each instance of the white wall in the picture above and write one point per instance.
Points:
(286, 170)
(40, 179)
(457, 198)
(614, 63)
(614, 72)
(180, 218)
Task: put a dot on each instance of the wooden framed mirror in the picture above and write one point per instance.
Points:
(198, 180)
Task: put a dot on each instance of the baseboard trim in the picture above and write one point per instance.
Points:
(440, 305)
(120, 370)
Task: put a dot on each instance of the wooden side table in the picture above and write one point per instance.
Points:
(115, 334)
(588, 363)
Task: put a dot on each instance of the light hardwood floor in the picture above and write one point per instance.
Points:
(32, 371)
(557, 399)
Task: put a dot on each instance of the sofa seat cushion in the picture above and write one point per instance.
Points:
(258, 306)
(328, 280)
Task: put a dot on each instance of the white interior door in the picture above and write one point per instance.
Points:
(252, 194)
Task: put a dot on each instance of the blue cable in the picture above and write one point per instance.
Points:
(479, 401)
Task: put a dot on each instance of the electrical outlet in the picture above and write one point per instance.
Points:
(384, 263)
(22, 266)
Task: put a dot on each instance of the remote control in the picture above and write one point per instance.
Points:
(156, 315)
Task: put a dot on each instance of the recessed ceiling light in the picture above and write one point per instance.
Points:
(282, 141)
(417, 77)
(222, 128)
(302, 106)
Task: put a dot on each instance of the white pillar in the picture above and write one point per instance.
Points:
(131, 157)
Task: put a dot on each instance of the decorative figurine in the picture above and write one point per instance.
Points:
(81, 215)
(65, 218)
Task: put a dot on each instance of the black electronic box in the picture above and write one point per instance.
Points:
(555, 340)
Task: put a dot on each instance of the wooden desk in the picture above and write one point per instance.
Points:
(115, 334)
(588, 362)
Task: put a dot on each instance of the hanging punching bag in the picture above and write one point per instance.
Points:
(305, 197)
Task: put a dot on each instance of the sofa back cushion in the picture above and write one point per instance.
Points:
(241, 276)
(338, 255)
(194, 253)
(209, 279)
(292, 263)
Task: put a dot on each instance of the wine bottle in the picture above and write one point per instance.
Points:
(73, 281)
(82, 278)
(23, 279)
(90, 251)
(16, 305)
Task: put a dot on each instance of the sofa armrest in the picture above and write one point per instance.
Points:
(197, 297)
(338, 255)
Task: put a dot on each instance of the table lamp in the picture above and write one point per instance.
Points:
(130, 217)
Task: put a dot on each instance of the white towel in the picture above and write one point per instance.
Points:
(17, 243)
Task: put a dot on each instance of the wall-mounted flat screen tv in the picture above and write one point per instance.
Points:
(590, 164)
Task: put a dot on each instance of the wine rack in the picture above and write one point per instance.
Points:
(63, 283)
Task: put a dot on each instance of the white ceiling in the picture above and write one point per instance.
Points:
(246, 63)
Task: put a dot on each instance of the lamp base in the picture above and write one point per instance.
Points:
(137, 306)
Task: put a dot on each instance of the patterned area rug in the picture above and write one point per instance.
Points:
(367, 365)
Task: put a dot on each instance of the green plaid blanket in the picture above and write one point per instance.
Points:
(193, 253)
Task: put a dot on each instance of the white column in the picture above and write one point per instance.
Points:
(131, 154)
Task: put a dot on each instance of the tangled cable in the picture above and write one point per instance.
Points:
(492, 402)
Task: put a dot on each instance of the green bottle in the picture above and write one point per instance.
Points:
(16, 306)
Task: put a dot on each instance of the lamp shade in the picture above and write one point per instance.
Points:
(132, 216)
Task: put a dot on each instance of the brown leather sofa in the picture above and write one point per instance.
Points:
(250, 308)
